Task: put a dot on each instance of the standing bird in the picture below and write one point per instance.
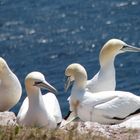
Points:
(10, 87)
(106, 107)
(37, 109)
(105, 79)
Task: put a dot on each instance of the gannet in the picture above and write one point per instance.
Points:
(105, 79)
(39, 110)
(10, 87)
(106, 107)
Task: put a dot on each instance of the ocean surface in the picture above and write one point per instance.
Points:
(47, 36)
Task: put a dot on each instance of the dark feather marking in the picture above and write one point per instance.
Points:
(65, 118)
(136, 112)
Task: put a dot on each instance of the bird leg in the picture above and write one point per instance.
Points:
(74, 106)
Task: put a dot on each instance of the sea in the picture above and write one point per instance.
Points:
(48, 35)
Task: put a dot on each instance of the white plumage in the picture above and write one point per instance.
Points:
(10, 87)
(106, 107)
(37, 109)
(132, 123)
(105, 79)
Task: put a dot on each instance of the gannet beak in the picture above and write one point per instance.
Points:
(129, 48)
(45, 85)
(67, 84)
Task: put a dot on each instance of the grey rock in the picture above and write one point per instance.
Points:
(7, 118)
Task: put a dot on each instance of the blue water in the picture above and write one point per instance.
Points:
(47, 36)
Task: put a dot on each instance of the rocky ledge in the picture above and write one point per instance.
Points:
(104, 132)
(7, 118)
(89, 130)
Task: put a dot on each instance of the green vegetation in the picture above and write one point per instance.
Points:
(23, 133)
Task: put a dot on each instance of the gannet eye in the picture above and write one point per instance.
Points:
(129, 48)
(68, 76)
(37, 83)
(125, 46)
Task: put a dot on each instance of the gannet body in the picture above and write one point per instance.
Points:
(106, 107)
(37, 109)
(10, 87)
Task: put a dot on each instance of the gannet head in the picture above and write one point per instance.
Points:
(114, 47)
(3, 65)
(37, 80)
(75, 72)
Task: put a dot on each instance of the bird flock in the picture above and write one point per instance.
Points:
(94, 100)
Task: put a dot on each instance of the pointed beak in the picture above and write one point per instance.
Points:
(129, 48)
(67, 84)
(46, 85)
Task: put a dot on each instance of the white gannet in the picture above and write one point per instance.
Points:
(10, 87)
(105, 79)
(37, 109)
(106, 107)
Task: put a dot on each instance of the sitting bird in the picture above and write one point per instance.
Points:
(39, 110)
(10, 87)
(105, 107)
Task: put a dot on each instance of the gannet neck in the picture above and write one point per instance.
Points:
(35, 99)
(107, 77)
(33, 92)
(80, 80)
(108, 64)
(106, 57)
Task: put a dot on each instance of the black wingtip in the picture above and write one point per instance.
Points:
(65, 118)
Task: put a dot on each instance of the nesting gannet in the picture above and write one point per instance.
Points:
(37, 109)
(105, 79)
(106, 107)
(10, 87)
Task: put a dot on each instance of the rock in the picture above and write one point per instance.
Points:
(7, 118)
(114, 132)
